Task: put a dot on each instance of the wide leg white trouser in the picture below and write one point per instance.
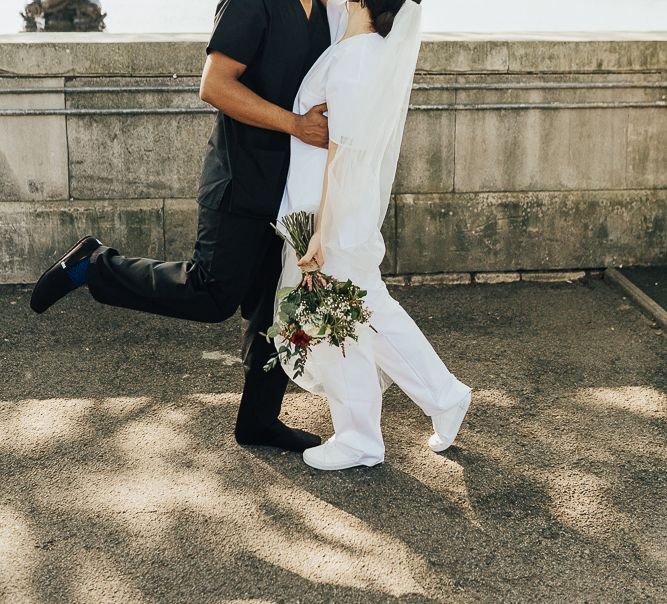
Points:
(400, 349)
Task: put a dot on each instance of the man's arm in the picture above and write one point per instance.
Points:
(220, 87)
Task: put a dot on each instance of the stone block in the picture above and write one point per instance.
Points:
(571, 149)
(493, 278)
(441, 279)
(144, 155)
(180, 228)
(34, 235)
(582, 52)
(388, 266)
(552, 276)
(538, 230)
(137, 156)
(646, 151)
(396, 280)
(33, 149)
(426, 164)
(452, 53)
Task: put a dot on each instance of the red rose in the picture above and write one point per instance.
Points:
(300, 338)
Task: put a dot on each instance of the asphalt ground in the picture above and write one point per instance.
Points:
(652, 280)
(120, 480)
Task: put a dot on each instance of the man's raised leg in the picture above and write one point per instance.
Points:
(237, 262)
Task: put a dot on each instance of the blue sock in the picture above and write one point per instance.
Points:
(77, 273)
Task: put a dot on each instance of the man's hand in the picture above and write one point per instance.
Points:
(313, 127)
(220, 87)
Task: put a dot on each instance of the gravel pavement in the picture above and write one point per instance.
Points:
(120, 480)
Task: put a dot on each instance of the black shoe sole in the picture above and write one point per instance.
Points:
(63, 260)
(308, 441)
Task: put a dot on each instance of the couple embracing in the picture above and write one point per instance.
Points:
(312, 97)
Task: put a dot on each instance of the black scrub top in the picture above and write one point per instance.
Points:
(278, 44)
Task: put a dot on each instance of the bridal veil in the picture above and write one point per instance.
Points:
(366, 120)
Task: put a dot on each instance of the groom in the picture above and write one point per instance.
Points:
(257, 56)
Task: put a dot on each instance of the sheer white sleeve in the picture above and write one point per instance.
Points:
(344, 93)
(368, 92)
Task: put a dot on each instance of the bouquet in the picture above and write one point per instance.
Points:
(321, 308)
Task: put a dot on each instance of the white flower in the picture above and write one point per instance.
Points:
(311, 330)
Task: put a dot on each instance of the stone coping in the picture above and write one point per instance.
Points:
(548, 36)
(544, 36)
(92, 54)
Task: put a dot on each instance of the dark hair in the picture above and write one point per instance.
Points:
(383, 13)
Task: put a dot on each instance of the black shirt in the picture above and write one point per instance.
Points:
(278, 44)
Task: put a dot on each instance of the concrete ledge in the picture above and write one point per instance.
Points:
(480, 189)
(441, 279)
(62, 54)
(102, 54)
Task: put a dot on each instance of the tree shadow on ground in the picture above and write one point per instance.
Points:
(121, 480)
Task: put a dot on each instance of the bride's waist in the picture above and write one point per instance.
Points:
(304, 181)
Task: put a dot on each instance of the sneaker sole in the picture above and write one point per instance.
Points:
(340, 466)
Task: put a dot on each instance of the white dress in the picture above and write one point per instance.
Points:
(399, 352)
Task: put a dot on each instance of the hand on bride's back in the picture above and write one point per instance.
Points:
(313, 128)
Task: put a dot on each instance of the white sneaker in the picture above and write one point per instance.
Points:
(447, 425)
(332, 456)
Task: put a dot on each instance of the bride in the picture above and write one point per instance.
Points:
(365, 78)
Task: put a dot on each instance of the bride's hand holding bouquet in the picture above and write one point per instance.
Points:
(313, 254)
(320, 308)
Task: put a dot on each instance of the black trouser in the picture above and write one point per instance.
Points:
(236, 263)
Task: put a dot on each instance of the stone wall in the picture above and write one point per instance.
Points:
(533, 152)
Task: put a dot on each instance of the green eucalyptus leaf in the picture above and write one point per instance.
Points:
(289, 308)
(284, 292)
(274, 331)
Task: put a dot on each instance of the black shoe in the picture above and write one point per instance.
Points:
(54, 283)
(282, 437)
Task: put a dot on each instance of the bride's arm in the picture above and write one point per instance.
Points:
(333, 147)
(315, 245)
(344, 94)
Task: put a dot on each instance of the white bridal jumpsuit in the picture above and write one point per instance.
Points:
(399, 352)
